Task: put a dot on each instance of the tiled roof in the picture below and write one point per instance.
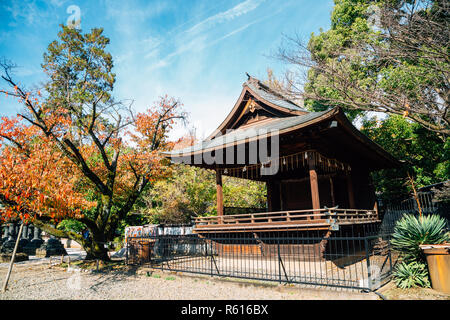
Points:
(250, 132)
(271, 96)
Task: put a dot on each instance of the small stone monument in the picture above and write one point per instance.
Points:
(37, 239)
(34, 240)
(5, 234)
(8, 245)
(53, 247)
(23, 242)
(30, 232)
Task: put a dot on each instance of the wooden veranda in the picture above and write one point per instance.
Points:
(319, 219)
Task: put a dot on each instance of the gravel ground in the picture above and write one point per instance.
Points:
(391, 292)
(37, 280)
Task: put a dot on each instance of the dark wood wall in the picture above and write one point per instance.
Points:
(296, 195)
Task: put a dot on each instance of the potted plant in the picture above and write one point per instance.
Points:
(422, 241)
(438, 261)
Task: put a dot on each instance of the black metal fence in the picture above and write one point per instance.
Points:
(355, 256)
(394, 210)
(348, 260)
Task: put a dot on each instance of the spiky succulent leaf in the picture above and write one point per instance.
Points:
(410, 232)
(411, 275)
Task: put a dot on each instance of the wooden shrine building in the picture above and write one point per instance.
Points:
(316, 165)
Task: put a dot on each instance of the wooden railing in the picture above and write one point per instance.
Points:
(241, 210)
(325, 217)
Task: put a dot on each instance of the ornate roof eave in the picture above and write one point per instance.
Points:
(351, 129)
(312, 118)
(317, 117)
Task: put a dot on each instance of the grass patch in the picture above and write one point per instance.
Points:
(170, 278)
(92, 265)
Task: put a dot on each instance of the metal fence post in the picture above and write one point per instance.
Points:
(369, 275)
(164, 253)
(279, 260)
(211, 260)
(390, 256)
(126, 252)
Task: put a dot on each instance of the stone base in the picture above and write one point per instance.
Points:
(23, 243)
(8, 247)
(20, 256)
(45, 253)
(51, 248)
(36, 243)
(29, 250)
(40, 253)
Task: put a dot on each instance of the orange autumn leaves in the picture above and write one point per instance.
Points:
(149, 137)
(35, 178)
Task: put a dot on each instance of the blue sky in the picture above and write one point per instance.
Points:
(197, 51)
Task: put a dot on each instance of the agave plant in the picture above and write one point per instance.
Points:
(410, 232)
(411, 274)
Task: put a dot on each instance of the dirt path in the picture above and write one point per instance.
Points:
(38, 281)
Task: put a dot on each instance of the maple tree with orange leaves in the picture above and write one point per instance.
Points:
(76, 153)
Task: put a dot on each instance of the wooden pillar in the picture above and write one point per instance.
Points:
(333, 200)
(281, 195)
(373, 194)
(375, 207)
(313, 180)
(269, 187)
(219, 193)
(351, 195)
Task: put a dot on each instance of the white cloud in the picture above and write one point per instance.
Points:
(133, 11)
(196, 37)
(174, 62)
(57, 3)
(26, 11)
(27, 71)
(238, 10)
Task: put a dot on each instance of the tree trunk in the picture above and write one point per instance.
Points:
(96, 250)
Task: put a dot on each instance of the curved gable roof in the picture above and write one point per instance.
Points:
(286, 118)
(259, 92)
(241, 135)
(288, 125)
(270, 96)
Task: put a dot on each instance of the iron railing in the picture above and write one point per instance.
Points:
(348, 260)
(394, 210)
(356, 254)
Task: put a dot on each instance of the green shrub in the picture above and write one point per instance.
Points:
(118, 243)
(410, 232)
(411, 274)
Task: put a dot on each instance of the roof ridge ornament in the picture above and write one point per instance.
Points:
(262, 86)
